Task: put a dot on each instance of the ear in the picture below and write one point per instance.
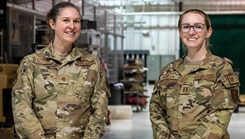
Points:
(51, 23)
(210, 31)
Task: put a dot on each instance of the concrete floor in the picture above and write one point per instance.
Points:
(139, 127)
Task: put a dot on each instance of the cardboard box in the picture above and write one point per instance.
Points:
(242, 100)
(7, 78)
(7, 75)
(6, 81)
(8, 68)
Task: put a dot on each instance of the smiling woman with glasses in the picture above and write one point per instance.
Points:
(195, 95)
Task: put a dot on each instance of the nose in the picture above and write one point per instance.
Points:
(192, 30)
(71, 25)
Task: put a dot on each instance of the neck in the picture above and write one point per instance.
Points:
(196, 57)
(62, 49)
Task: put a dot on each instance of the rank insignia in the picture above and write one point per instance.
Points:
(64, 79)
(185, 90)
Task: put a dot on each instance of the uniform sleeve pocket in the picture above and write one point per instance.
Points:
(230, 80)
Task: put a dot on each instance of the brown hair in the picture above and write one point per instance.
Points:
(54, 12)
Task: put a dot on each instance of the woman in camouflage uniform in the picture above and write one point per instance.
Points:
(61, 91)
(195, 95)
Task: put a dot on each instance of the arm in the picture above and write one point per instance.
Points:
(26, 123)
(99, 104)
(158, 115)
(224, 101)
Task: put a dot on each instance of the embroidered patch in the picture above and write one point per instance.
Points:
(234, 95)
(233, 79)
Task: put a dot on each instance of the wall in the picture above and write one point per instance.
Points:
(228, 41)
(156, 33)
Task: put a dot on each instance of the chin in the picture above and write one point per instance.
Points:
(191, 46)
(71, 40)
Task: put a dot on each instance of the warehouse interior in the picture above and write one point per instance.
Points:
(122, 32)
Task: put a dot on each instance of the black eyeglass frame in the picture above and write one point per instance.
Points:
(193, 26)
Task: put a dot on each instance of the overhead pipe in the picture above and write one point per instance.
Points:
(178, 13)
(24, 9)
(180, 6)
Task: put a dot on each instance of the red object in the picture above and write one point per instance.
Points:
(108, 121)
(134, 100)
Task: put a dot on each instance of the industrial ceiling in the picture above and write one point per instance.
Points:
(124, 6)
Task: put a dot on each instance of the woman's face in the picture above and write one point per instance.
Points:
(193, 31)
(67, 26)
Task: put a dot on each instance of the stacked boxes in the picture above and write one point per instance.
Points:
(7, 77)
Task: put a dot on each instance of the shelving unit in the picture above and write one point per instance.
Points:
(134, 73)
(137, 54)
(108, 23)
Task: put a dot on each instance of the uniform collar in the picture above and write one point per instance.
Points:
(48, 53)
(205, 62)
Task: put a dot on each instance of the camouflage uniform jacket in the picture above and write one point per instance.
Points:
(62, 99)
(196, 104)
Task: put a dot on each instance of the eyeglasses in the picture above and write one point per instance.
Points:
(187, 27)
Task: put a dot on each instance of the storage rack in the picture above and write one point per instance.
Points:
(134, 73)
(141, 55)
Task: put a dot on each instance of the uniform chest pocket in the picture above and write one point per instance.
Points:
(84, 90)
(204, 82)
(44, 77)
(169, 81)
(200, 89)
(169, 89)
(86, 81)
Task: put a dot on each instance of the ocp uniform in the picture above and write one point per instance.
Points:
(63, 91)
(192, 99)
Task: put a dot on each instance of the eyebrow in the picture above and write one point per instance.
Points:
(193, 24)
(69, 18)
